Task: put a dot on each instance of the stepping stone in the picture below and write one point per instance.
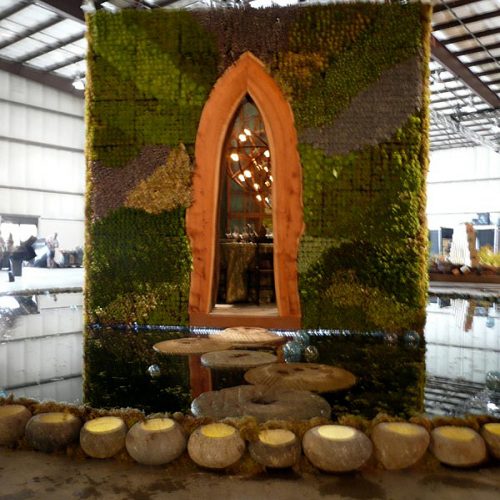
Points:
(248, 336)
(260, 402)
(190, 345)
(302, 377)
(236, 359)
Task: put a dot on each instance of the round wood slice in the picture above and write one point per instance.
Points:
(261, 402)
(236, 359)
(190, 345)
(301, 376)
(248, 336)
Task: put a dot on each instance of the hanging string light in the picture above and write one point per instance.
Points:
(249, 158)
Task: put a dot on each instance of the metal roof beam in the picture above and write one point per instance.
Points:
(466, 20)
(15, 9)
(475, 50)
(62, 64)
(468, 36)
(487, 60)
(65, 8)
(458, 68)
(465, 132)
(42, 77)
(453, 5)
(31, 31)
(50, 47)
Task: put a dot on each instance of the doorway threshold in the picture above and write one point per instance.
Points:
(229, 315)
(245, 310)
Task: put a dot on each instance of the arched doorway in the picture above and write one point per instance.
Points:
(247, 78)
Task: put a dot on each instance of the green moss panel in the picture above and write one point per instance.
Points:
(362, 257)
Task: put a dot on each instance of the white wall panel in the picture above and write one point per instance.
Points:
(16, 88)
(57, 167)
(44, 204)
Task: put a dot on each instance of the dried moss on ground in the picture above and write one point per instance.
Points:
(248, 428)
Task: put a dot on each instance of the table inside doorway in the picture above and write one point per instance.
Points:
(237, 259)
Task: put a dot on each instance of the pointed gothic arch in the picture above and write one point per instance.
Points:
(246, 76)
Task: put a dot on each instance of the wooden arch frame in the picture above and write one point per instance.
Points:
(246, 76)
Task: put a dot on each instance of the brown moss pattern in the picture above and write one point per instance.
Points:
(375, 114)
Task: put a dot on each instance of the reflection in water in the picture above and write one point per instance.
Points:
(463, 350)
(41, 346)
(41, 355)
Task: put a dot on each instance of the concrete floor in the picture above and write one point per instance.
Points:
(33, 475)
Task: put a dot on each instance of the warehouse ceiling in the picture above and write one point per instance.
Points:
(44, 40)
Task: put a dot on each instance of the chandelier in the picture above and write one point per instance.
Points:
(249, 159)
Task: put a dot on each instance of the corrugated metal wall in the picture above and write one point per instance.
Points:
(42, 167)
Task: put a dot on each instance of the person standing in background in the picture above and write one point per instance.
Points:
(52, 243)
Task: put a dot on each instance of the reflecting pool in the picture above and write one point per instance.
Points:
(41, 357)
(41, 346)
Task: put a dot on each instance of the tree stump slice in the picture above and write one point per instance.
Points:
(302, 376)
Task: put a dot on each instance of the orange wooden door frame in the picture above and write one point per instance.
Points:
(246, 76)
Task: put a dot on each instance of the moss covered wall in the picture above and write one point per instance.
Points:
(355, 76)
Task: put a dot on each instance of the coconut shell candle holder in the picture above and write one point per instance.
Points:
(155, 441)
(336, 448)
(276, 448)
(52, 431)
(458, 446)
(216, 446)
(13, 420)
(399, 444)
(491, 435)
(103, 437)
